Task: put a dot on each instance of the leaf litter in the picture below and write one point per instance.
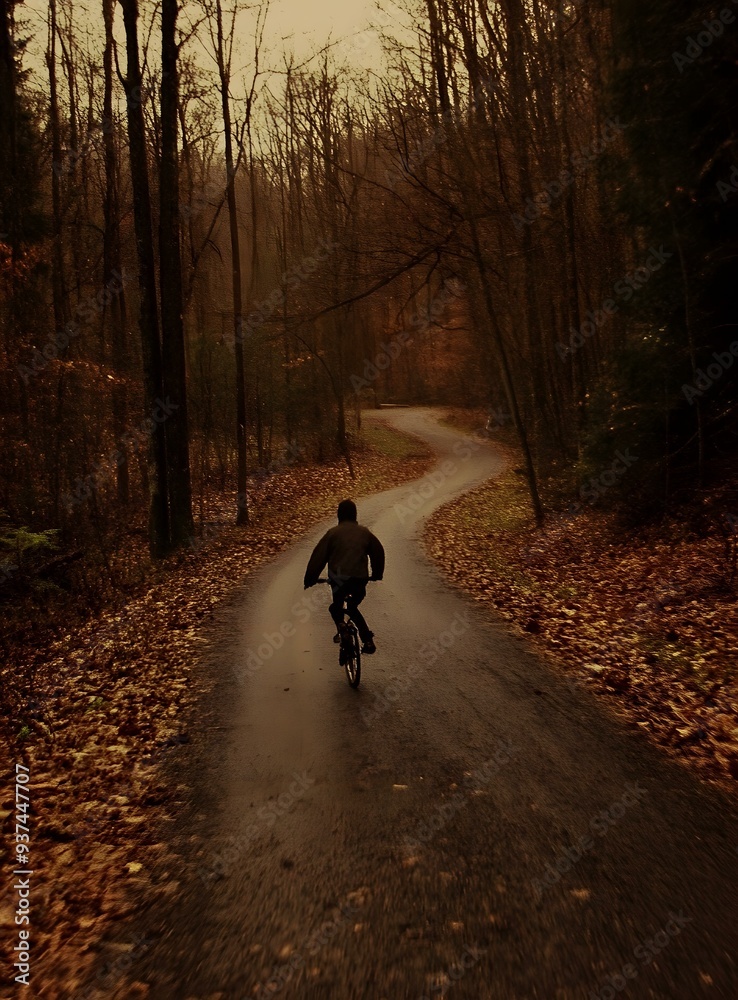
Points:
(649, 620)
(113, 695)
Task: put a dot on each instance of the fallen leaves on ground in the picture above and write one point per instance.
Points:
(113, 696)
(649, 619)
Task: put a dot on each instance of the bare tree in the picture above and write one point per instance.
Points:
(116, 309)
(172, 305)
(223, 50)
(148, 314)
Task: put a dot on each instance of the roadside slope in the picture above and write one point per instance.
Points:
(648, 621)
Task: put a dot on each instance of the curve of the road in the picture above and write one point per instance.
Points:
(463, 825)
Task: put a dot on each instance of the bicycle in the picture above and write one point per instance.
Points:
(349, 651)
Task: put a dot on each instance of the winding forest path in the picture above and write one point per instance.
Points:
(463, 824)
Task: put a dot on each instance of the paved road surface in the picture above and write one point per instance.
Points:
(463, 825)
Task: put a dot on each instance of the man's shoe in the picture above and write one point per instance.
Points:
(369, 646)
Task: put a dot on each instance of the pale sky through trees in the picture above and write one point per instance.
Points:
(311, 24)
(292, 25)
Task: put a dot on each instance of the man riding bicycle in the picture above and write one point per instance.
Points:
(347, 548)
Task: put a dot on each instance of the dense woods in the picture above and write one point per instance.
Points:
(213, 253)
(222, 244)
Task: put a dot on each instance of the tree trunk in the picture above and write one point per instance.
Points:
(573, 312)
(10, 219)
(181, 526)
(148, 315)
(7, 121)
(507, 380)
(58, 283)
(111, 256)
(242, 514)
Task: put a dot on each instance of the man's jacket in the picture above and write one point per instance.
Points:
(346, 548)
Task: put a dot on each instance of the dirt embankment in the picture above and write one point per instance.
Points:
(648, 620)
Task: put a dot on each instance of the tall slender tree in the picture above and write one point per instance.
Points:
(159, 536)
(116, 308)
(170, 270)
(223, 56)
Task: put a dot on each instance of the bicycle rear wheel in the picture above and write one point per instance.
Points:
(352, 658)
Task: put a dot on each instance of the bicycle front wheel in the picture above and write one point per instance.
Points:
(353, 662)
